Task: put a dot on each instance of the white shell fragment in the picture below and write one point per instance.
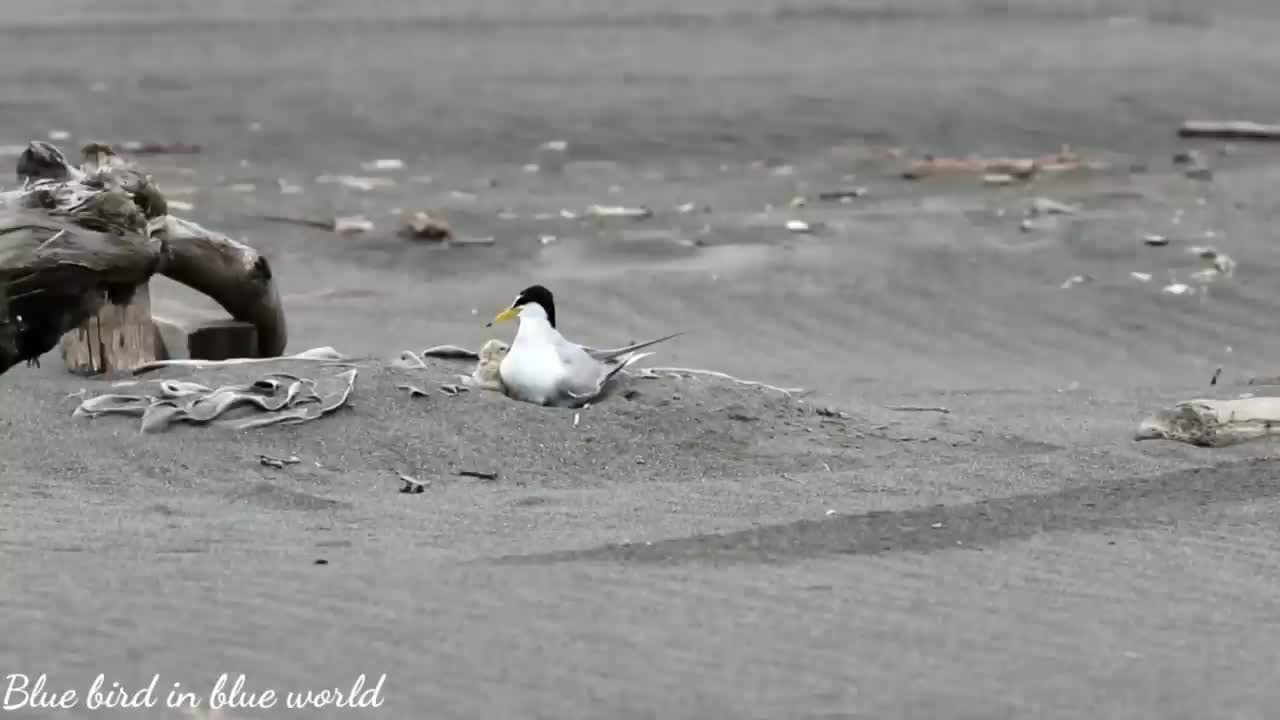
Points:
(352, 225)
(619, 211)
(383, 164)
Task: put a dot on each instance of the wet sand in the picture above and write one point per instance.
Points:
(704, 549)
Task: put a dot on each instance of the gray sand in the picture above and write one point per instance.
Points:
(701, 549)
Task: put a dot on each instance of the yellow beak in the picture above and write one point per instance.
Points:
(509, 314)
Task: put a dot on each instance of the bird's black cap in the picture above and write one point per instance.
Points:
(540, 295)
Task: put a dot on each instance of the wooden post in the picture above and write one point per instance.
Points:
(116, 338)
(188, 333)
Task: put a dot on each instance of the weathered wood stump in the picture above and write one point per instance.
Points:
(116, 338)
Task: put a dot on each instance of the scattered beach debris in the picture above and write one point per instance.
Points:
(382, 164)
(1205, 276)
(355, 182)
(798, 201)
(799, 226)
(1229, 130)
(1221, 264)
(1019, 168)
(1075, 280)
(1195, 164)
(304, 222)
(1155, 240)
(1140, 276)
(465, 240)
(653, 373)
(998, 179)
(1034, 224)
(568, 215)
(408, 360)
(453, 390)
(159, 148)
(278, 463)
(1214, 423)
(1216, 373)
(1178, 288)
(1202, 173)
(547, 239)
(324, 354)
(452, 352)
(555, 145)
(1188, 157)
(424, 226)
(414, 391)
(352, 225)
(288, 188)
(478, 474)
(918, 408)
(619, 211)
(1048, 206)
(269, 400)
(411, 485)
(842, 194)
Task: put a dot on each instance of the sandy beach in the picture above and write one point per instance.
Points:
(953, 521)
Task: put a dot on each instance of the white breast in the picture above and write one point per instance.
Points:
(532, 370)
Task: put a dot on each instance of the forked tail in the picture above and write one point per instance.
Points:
(615, 353)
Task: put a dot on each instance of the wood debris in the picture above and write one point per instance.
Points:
(1018, 168)
(1229, 130)
(424, 226)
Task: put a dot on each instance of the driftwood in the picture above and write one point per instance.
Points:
(1214, 423)
(1229, 130)
(1021, 168)
(75, 239)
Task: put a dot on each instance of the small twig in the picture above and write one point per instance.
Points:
(652, 372)
(918, 408)
(411, 486)
(478, 474)
(305, 222)
(277, 463)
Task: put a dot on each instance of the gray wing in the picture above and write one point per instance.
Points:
(616, 354)
(586, 374)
